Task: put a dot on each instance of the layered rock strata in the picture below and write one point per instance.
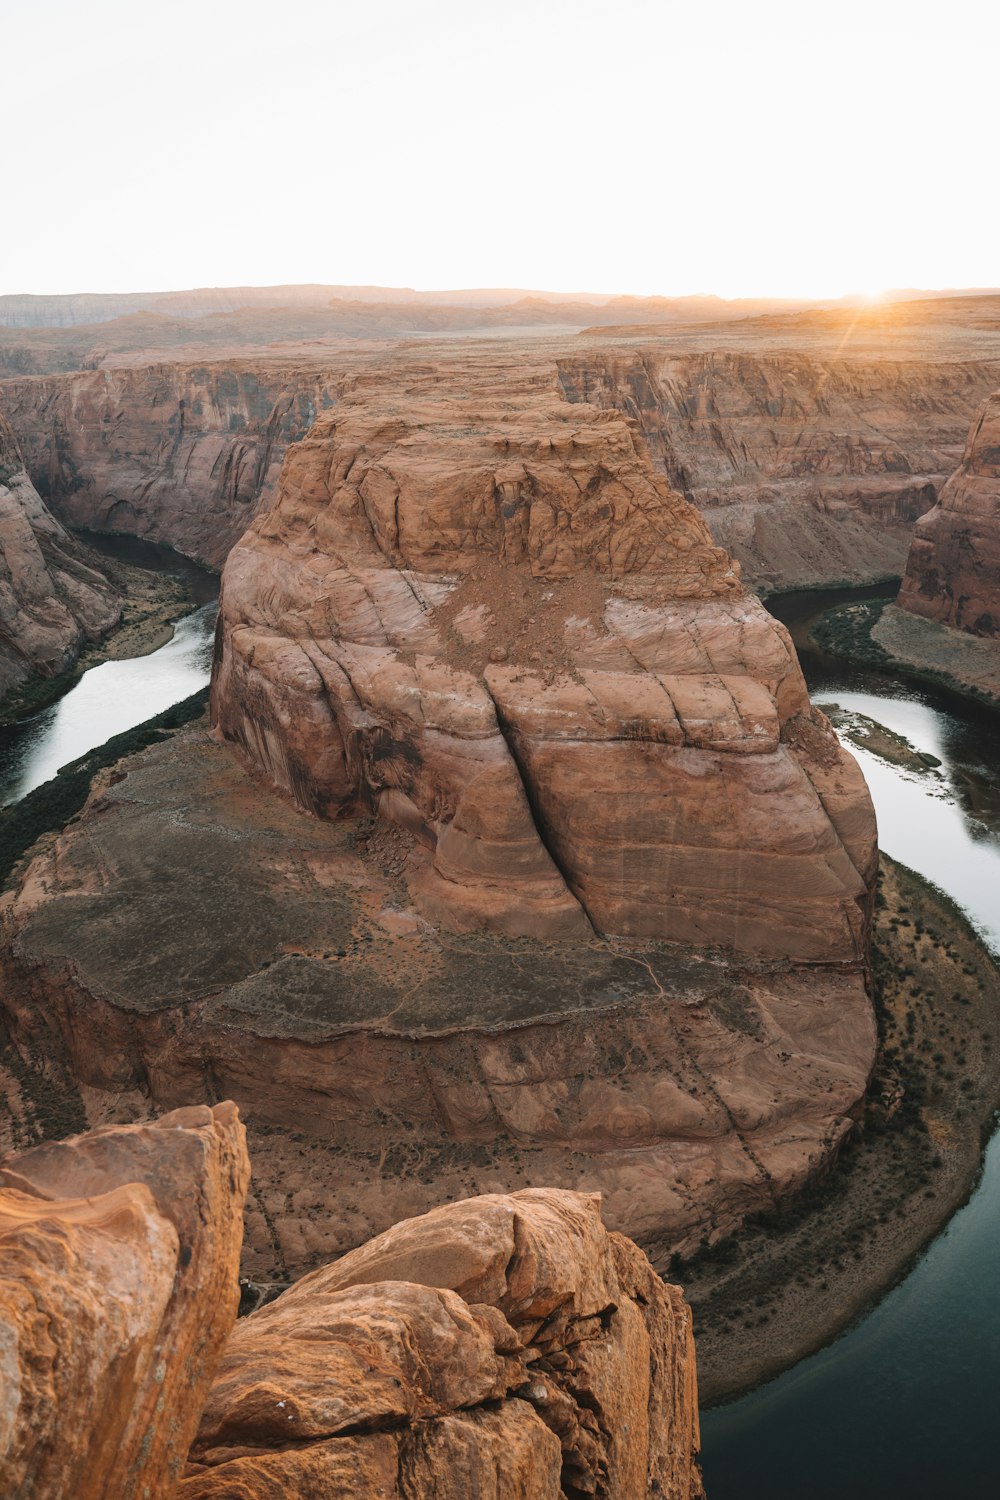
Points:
(953, 570)
(506, 1346)
(478, 609)
(119, 1255)
(810, 464)
(53, 597)
(809, 468)
(180, 454)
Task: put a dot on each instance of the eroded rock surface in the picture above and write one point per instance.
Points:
(53, 597)
(810, 468)
(119, 1255)
(953, 570)
(506, 1346)
(586, 900)
(181, 454)
(192, 936)
(478, 609)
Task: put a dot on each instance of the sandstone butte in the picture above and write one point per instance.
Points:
(953, 570)
(584, 898)
(52, 597)
(506, 1346)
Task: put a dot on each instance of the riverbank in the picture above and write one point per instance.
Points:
(789, 1284)
(154, 602)
(876, 634)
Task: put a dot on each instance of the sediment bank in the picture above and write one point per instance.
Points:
(875, 634)
(785, 1286)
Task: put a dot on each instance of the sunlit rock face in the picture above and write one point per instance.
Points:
(504, 1346)
(53, 598)
(953, 570)
(477, 609)
(119, 1257)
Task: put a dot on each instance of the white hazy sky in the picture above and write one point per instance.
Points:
(778, 147)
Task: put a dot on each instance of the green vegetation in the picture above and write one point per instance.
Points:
(51, 806)
(846, 633)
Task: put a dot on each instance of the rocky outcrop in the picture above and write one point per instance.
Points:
(506, 1346)
(184, 455)
(953, 570)
(118, 1287)
(477, 609)
(53, 596)
(809, 468)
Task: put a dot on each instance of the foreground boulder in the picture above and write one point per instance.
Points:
(953, 570)
(119, 1255)
(507, 1346)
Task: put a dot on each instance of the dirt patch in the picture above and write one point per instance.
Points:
(499, 612)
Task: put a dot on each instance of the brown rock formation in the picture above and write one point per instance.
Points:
(953, 570)
(810, 467)
(53, 598)
(811, 450)
(477, 608)
(118, 1286)
(507, 1346)
(192, 936)
(609, 926)
(184, 455)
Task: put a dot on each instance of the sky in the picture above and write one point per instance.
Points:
(765, 149)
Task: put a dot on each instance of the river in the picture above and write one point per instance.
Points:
(903, 1403)
(116, 695)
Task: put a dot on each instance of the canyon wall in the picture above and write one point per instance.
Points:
(181, 454)
(53, 596)
(953, 569)
(809, 468)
